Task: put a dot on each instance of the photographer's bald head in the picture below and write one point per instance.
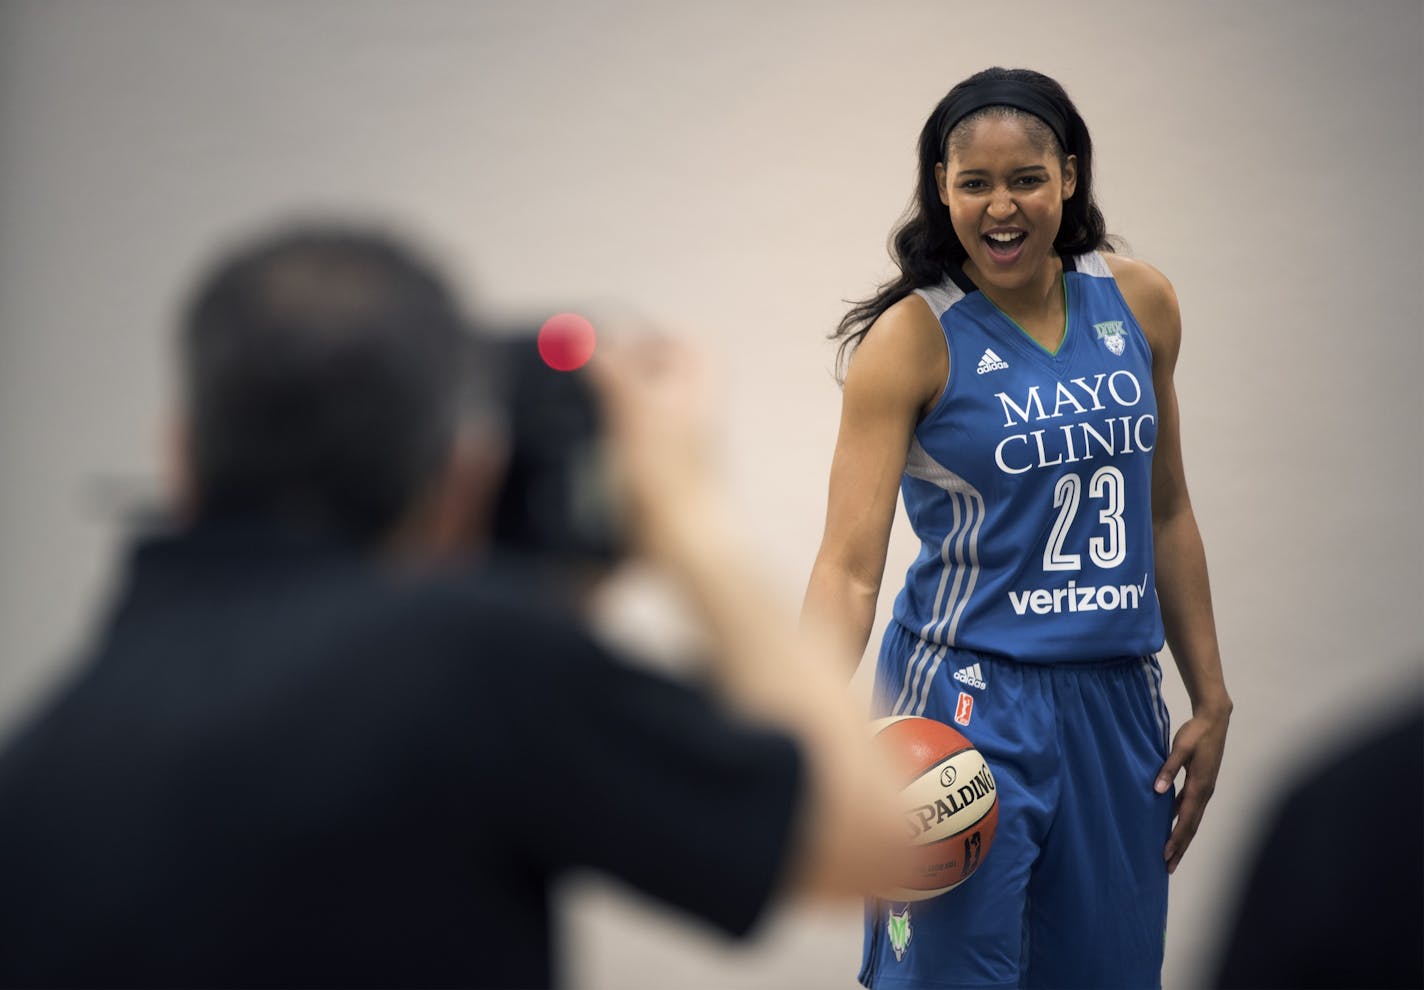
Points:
(326, 384)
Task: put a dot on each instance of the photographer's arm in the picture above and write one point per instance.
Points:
(850, 840)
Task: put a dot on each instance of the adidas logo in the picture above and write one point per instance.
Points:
(972, 676)
(991, 362)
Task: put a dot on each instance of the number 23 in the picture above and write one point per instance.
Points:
(1108, 550)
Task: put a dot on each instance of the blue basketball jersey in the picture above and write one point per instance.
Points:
(1030, 483)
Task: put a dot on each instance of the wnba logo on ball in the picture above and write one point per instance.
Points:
(946, 776)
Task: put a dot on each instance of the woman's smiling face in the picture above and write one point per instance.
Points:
(1005, 183)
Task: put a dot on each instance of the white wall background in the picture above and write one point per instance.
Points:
(736, 167)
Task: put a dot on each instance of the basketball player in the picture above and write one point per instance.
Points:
(1015, 384)
(299, 756)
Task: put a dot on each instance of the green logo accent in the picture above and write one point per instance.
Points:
(899, 929)
(1113, 336)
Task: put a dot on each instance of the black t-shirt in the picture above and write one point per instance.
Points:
(1334, 896)
(285, 766)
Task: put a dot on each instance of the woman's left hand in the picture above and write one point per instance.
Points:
(1198, 748)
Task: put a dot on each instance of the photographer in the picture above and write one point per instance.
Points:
(301, 753)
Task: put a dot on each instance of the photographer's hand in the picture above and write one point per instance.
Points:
(654, 399)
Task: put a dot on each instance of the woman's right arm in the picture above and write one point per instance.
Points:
(896, 375)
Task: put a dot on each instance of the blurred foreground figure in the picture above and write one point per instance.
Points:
(301, 753)
(1334, 896)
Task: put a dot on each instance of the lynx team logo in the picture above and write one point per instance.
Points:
(1113, 335)
(900, 932)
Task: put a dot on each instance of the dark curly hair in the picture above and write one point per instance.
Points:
(924, 245)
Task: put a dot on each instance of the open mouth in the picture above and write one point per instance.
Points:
(1005, 246)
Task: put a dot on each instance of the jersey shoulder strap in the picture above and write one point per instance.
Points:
(940, 297)
(1092, 264)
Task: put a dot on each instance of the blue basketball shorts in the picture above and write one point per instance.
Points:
(1073, 890)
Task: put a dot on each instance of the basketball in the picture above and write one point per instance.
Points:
(950, 802)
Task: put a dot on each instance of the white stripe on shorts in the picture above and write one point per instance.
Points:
(1153, 672)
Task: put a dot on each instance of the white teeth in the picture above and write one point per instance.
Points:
(1003, 238)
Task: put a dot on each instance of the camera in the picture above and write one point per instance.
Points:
(556, 501)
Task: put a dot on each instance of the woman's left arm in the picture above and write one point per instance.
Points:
(1182, 586)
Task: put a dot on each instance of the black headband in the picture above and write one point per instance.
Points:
(1002, 93)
